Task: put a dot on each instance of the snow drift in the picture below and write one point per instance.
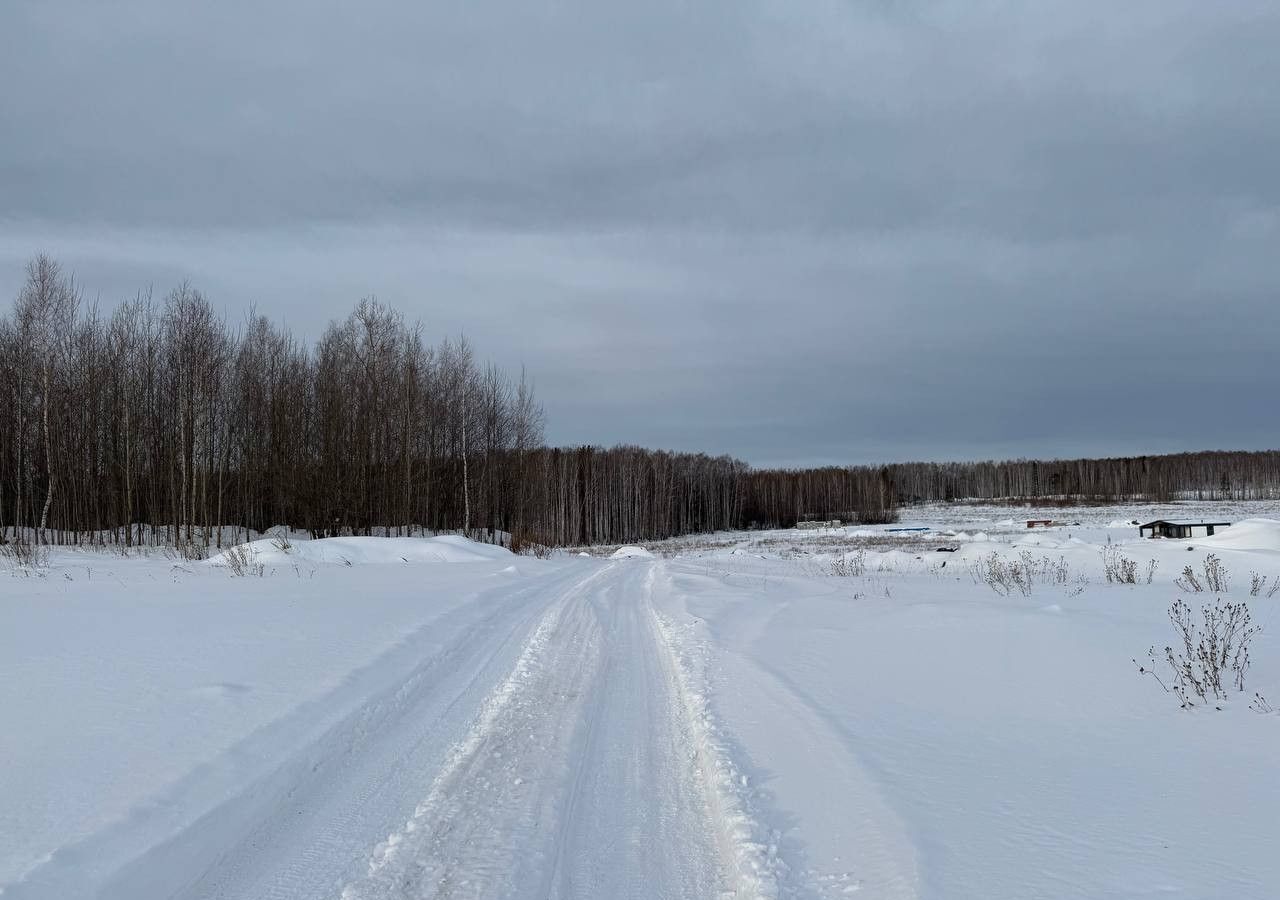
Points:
(347, 551)
(1250, 534)
(631, 553)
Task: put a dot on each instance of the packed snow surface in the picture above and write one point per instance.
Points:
(825, 714)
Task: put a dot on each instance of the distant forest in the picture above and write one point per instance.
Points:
(161, 420)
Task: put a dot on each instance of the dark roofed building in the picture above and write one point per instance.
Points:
(1165, 529)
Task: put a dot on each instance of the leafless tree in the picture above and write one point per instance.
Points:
(45, 315)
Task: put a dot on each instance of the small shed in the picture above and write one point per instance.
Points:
(1039, 523)
(1165, 529)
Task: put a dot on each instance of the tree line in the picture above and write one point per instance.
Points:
(1202, 475)
(873, 493)
(161, 421)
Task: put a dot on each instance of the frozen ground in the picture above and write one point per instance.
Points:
(769, 714)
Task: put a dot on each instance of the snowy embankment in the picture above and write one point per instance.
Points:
(349, 551)
(743, 715)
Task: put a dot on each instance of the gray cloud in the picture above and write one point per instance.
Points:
(827, 232)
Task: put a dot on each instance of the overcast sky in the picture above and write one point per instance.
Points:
(795, 232)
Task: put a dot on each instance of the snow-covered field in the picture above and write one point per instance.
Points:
(805, 714)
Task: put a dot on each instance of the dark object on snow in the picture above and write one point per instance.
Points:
(948, 549)
(1165, 529)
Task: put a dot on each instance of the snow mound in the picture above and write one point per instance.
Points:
(348, 551)
(631, 553)
(1249, 534)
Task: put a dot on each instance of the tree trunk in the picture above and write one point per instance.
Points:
(466, 489)
(48, 463)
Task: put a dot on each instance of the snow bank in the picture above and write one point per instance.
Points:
(368, 550)
(1250, 534)
(631, 553)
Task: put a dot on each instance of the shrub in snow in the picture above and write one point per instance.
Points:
(1021, 573)
(24, 555)
(525, 545)
(1004, 576)
(1188, 582)
(1216, 576)
(852, 566)
(994, 572)
(191, 551)
(242, 560)
(1118, 568)
(1055, 571)
(1213, 649)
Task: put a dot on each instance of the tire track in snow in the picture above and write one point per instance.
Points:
(472, 834)
(883, 852)
(749, 848)
(584, 775)
(638, 822)
(869, 847)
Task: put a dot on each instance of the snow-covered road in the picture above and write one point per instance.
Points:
(547, 749)
(578, 779)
